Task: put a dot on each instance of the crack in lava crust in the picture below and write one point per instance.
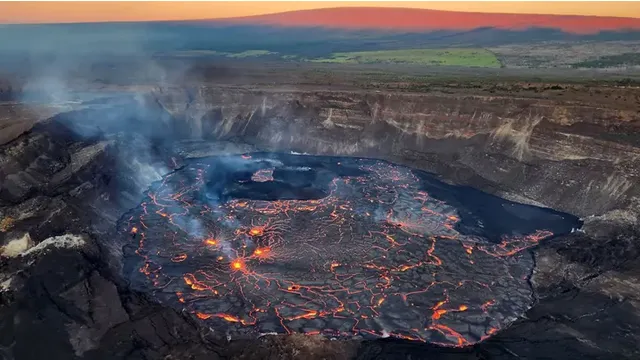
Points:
(374, 255)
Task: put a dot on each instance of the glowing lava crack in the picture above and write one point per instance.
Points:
(263, 243)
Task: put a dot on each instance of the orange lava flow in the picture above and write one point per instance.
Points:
(262, 252)
(376, 255)
(238, 265)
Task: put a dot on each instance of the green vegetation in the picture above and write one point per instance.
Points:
(626, 59)
(444, 57)
(244, 54)
(434, 57)
(250, 53)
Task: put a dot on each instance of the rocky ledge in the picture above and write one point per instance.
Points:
(66, 180)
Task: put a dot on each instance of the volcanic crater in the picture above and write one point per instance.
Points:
(235, 246)
(285, 243)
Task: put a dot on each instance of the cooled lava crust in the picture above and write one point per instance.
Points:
(274, 243)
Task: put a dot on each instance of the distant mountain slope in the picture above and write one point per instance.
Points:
(403, 19)
(41, 44)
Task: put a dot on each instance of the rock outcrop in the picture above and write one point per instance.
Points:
(573, 156)
(66, 180)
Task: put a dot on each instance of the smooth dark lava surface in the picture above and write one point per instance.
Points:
(281, 243)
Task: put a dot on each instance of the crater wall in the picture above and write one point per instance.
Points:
(573, 156)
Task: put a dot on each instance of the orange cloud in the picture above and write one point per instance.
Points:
(56, 12)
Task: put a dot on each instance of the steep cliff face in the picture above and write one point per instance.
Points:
(574, 156)
(65, 182)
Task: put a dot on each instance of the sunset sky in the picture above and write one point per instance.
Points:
(56, 12)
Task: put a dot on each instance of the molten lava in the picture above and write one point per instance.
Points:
(238, 264)
(262, 253)
(263, 175)
(377, 254)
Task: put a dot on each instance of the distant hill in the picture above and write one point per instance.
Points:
(421, 20)
(339, 35)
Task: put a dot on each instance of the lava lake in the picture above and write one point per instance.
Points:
(282, 243)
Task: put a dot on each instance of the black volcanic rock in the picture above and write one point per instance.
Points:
(339, 246)
(74, 177)
(68, 300)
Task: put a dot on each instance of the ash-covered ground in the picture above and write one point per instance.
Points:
(273, 243)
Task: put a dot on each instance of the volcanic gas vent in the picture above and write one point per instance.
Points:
(284, 243)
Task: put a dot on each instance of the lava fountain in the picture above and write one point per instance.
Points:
(338, 246)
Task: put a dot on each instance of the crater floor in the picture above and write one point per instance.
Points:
(275, 243)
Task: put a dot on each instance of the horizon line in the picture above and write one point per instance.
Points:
(272, 13)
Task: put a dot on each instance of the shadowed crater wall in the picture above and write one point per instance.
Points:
(66, 182)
